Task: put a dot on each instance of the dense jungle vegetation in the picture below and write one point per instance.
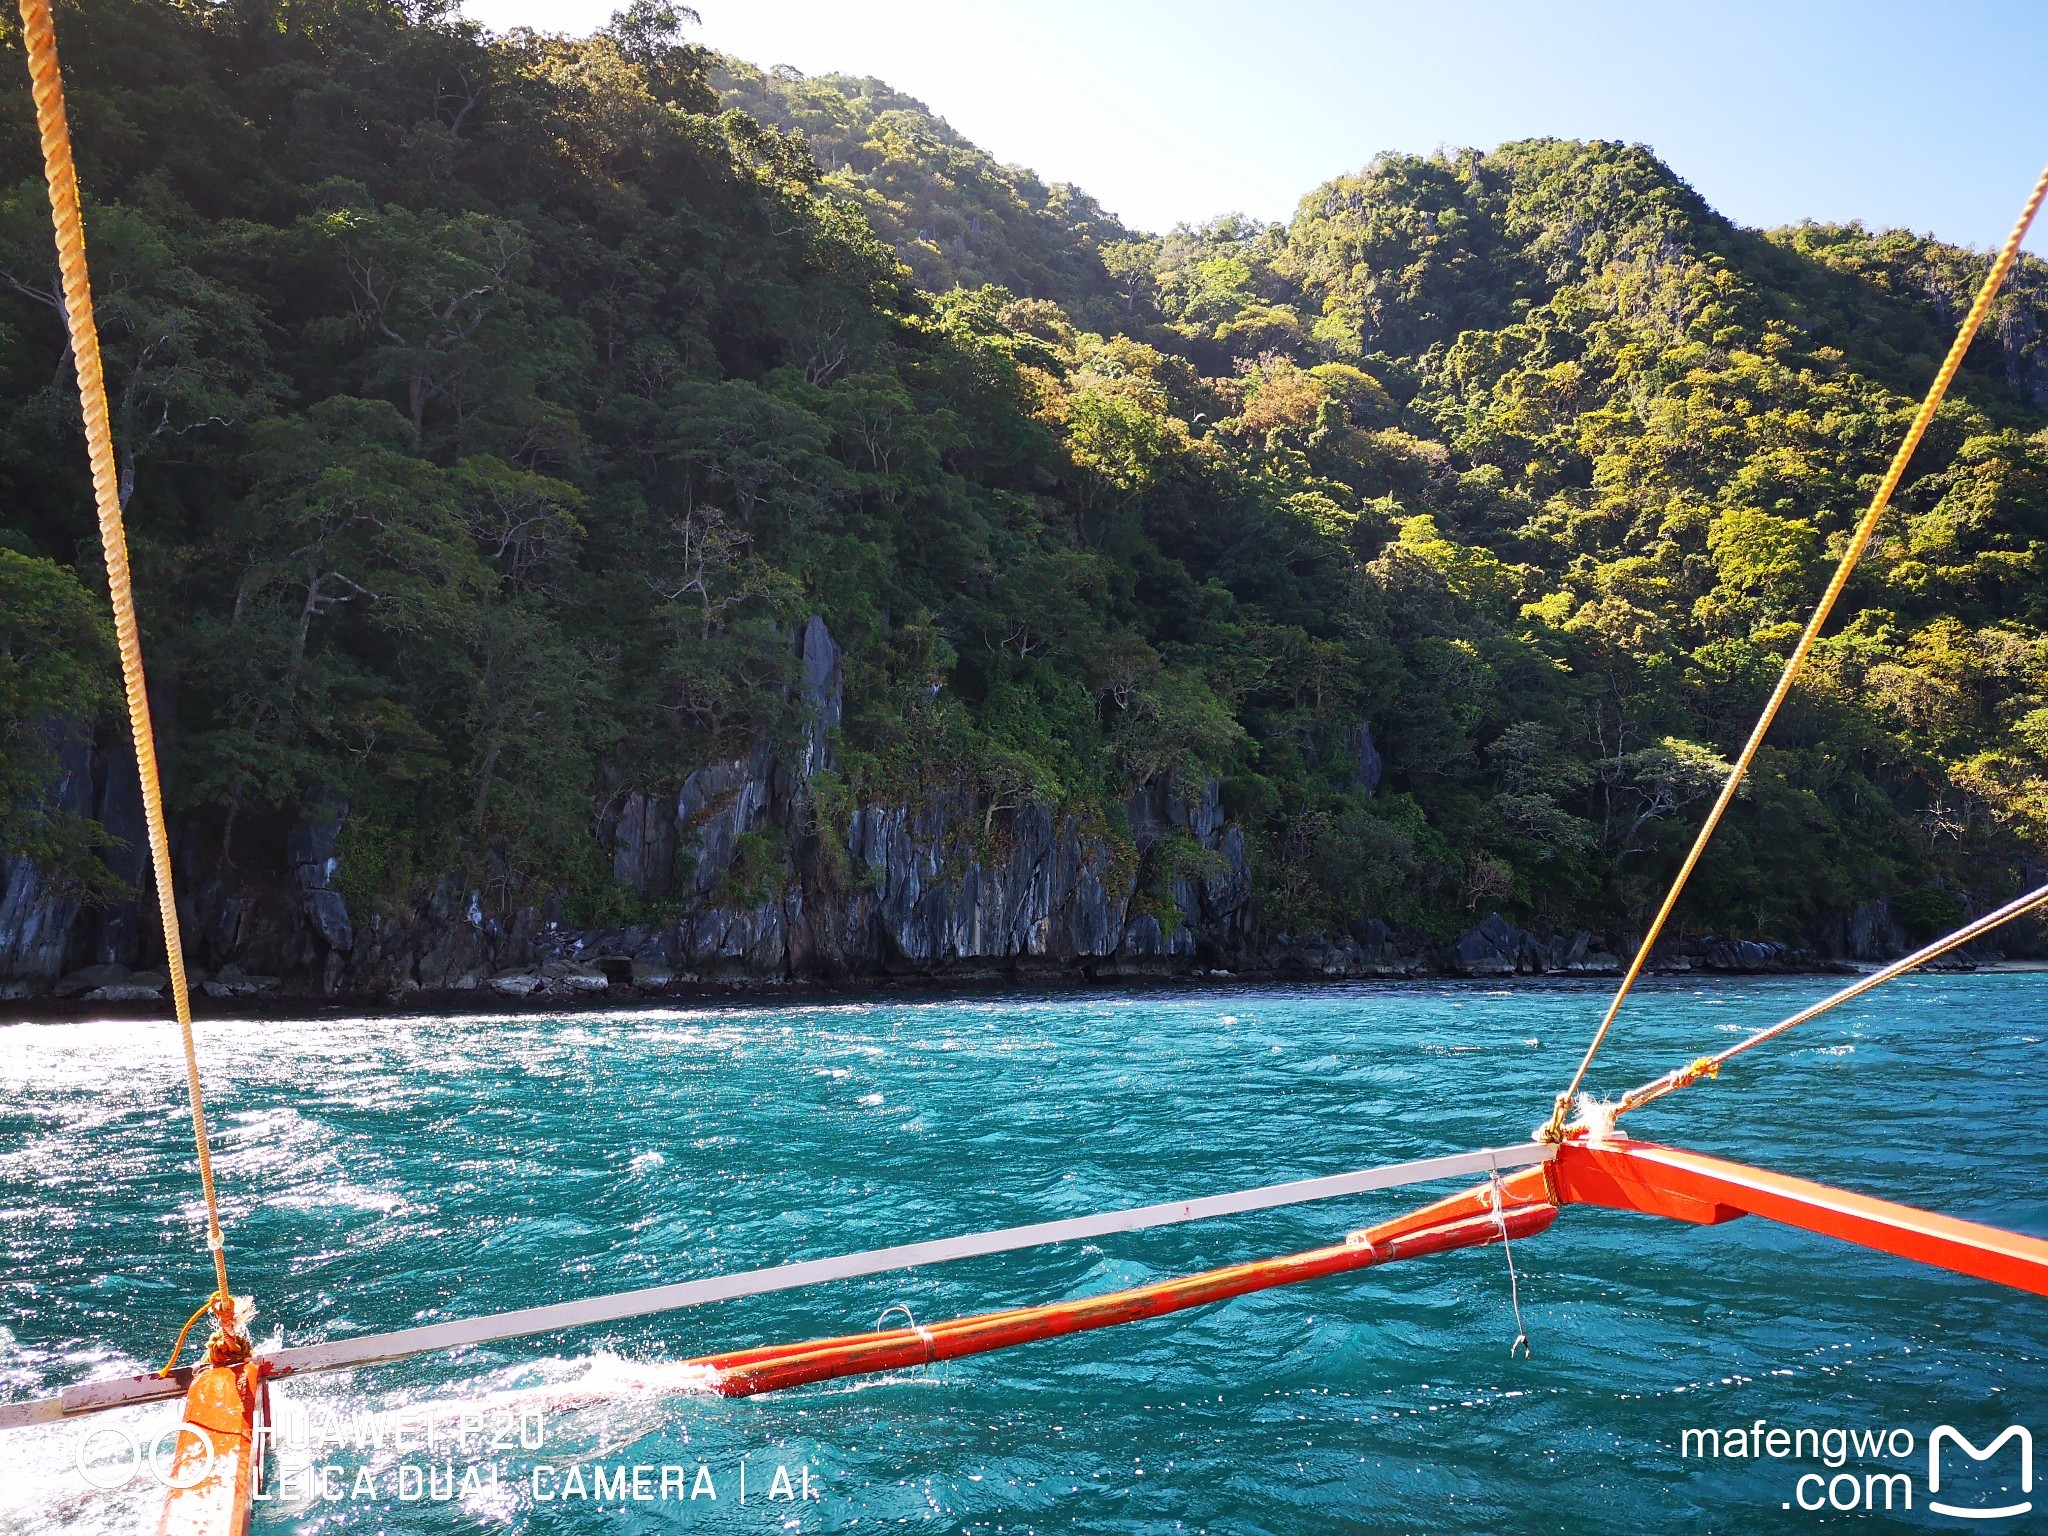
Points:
(492, 409)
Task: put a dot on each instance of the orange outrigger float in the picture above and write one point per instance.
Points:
(215, 1471)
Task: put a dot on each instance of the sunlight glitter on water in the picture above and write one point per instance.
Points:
(381, 1172)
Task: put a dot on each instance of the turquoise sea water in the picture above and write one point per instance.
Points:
(383, 1172)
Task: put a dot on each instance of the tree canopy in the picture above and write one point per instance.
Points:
(493, 410)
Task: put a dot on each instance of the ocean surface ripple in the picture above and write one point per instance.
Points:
(383, 1172)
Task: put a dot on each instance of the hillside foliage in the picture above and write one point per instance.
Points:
(493, 410)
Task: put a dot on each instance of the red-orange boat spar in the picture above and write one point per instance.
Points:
(1622, 1175)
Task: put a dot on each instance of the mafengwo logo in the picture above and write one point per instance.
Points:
(1947, 1435)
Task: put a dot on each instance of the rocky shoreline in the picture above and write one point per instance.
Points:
(289, 1002)
(610, 984)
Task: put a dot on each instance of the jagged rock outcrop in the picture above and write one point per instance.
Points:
(310, 851)
(36, 917)
(1869, 933)
(824, 689)
(1198, 857)
(945, 884)
(1740, 955)
(1383, 951)
(942, 883)
(644, 845)
(2019, 337)
(1497, 948)
(1366, 766)
(762, 885)
(723, 802)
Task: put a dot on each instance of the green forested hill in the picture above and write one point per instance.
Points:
(493, 411)
(955, 216)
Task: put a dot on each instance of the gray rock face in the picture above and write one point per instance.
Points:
(88, 978)
(35, 917)
(125, 992)
(1367, 768)
(1144, 939)
(309, 849)
(1576, 955)
(717, 805)
(35, 928)
(233, 981)
(823, 694)
(447, 941)
(652, 973)
(1738, 955)
(936, 886)
(1497, 947)
(764, 888)
(574, 976)
(644, 845)
(1871, 934)
(940, 894)
(113, 984)
(1211, 895)
(745, 940)
(2019, 339)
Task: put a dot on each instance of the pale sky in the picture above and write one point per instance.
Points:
(1923, 115)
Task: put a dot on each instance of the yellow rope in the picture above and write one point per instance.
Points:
(41, 39)
(1858, 541)
(178, 1348)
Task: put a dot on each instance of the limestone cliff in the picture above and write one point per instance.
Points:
(759, 886)
(757, 883)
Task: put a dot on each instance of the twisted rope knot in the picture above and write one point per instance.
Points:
(1693, 1071)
